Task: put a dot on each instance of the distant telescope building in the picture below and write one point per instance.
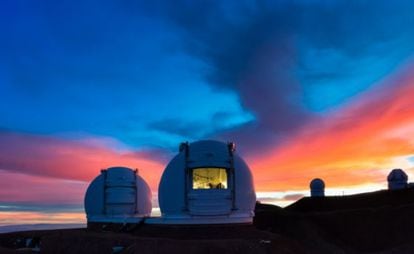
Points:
(317, 188)
(397, 179)
(118, 195)
(206, 183)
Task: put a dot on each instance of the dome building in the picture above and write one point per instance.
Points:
(397, 179)
(117, 195)
(317, 188)
(206, 183)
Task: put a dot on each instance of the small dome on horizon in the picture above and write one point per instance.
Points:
(397, 179)
(317, 187)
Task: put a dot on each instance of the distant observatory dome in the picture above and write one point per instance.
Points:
(207, 183)
(317, 188)
(397, 179)
(118, 195)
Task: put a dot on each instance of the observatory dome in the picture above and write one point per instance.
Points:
(317, 188)
(397, 179)
(118, 195)
(207, 183)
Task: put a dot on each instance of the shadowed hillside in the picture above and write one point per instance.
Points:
(370, 222)
(378, 199)
(377, 222)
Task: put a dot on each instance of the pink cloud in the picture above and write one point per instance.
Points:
(22, 188)
(79, 160)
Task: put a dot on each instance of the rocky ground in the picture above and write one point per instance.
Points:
(150, 239)
(379, 222)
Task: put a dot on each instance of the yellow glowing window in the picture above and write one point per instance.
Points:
(209, 178)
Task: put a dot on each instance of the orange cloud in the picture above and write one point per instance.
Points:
(10, 218)
(350, 146)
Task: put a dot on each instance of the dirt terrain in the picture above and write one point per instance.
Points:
(378, 222)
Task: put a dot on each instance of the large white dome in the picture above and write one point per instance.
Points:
(118, 195)
(207, 182)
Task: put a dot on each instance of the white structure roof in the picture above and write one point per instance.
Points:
(206, 183)
(397, 175)
(317, 183)
(118, 195)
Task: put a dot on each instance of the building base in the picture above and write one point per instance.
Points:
(198, 220)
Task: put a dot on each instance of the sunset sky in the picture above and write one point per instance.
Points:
(305, 88)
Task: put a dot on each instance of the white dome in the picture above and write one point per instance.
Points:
(118, 194)
(317, 187)
(397, 179)
(207, 183)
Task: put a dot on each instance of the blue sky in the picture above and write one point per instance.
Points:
(119, 69)
(153, 74)
(70, 69)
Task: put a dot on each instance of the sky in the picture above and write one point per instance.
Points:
(304, 88)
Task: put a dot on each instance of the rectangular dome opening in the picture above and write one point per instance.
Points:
(209, 178)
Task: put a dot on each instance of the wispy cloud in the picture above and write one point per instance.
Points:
(10, 218)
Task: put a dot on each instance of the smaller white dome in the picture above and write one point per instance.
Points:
(317, 187)
(397, 179)
(118, 194)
